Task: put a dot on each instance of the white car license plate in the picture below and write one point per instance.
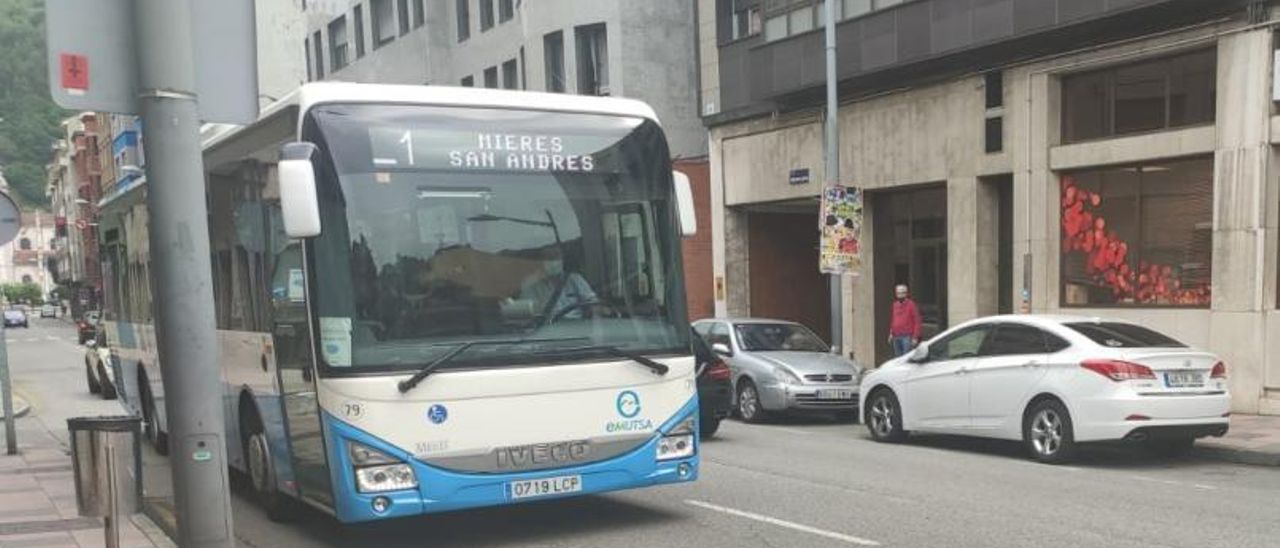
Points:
(834, 394)
(1183, 379)
(543, 487)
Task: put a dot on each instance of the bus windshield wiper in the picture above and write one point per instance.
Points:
(426, 370)
(658, 368)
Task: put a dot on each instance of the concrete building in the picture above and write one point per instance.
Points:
(644, 50)
(80, 166)
(1106, 158)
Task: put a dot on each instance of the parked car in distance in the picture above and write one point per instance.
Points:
(49, 311)
(779, 366)
(715, 388)
(15, 318)
(87, 326)
(98, 367)
(1052, 382)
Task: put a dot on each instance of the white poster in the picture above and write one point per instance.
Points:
(335, 341)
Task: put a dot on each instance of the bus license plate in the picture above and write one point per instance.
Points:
(1183, 379)
(544, 487)
(835, 394)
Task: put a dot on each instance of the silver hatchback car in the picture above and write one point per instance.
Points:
(782, 366)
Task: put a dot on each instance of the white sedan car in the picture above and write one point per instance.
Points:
(1052, 382)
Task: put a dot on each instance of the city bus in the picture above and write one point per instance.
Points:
(433, 298)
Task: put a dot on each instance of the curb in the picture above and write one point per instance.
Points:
(1237, 456)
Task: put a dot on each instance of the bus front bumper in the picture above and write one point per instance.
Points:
(441, 490)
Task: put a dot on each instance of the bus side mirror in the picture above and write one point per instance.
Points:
(298, 203)
(684, 204)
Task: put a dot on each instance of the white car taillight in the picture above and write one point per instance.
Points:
(1117, 370)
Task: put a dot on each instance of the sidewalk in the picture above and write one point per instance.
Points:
(1253, 439)
(37, 500)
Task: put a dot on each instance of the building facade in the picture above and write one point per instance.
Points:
(1102, 158)
(642, 50)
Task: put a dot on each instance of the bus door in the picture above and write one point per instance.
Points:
(296, 368)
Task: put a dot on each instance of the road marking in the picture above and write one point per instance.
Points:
(784, 523)
(1199, 486)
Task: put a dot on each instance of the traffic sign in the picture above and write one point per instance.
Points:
(100, 34)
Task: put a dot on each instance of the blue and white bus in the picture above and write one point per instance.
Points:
(432, 299)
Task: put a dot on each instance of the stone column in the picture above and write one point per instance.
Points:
(1240, 200)
(972, 244)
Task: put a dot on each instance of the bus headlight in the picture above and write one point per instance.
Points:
(377, 472)
(387, 477)
(678, 443)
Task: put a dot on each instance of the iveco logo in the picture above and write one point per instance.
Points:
(538, 454)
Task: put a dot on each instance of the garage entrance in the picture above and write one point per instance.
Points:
(910, 247)
(782, 253)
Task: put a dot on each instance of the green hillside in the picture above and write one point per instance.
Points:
(28, 118)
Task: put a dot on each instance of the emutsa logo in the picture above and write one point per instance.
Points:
(628, 404)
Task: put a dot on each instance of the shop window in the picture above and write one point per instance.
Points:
(1138, 235)
(1151, 95)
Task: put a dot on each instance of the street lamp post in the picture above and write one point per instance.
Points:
(832, 152)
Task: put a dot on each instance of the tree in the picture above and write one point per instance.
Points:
(23, 293)
(29, 120)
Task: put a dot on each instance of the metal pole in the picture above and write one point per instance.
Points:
(833, 169)
(183, 299)
(10, 432)
(112, 529)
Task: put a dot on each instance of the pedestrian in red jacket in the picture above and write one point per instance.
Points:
(904, 326)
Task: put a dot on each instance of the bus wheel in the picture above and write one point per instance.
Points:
(262, 475)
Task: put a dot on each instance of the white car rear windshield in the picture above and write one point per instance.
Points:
(1124, 335)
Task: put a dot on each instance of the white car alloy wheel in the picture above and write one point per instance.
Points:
(1046, 432)
(884, 417)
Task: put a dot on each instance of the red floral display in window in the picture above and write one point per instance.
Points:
(1084, 230)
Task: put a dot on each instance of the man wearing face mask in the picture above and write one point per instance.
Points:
(905, 324)
(575, 298)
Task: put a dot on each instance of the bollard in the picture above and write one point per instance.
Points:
(106, 459)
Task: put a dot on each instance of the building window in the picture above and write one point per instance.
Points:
(357, 20)
(24, 244)
(994, 87)
(785, 18)
(338, 43)
(306, 53)
(856, 8)
(486, 15)
(506, 10)
(1138, 235)
(419, 13)
(464, 19)
(384, 22)
(593, 59)
(553, 61)
(510, 75)
(745, 20)
(468, 81)
(491, 77)
(1150, 95)
(402, 11)
(319, 49)
(993, 135)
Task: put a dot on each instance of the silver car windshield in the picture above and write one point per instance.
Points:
(766, 337)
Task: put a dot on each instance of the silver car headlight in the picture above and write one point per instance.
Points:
(377, 472)
(678, 443)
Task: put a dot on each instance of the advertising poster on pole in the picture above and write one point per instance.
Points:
(840, 249)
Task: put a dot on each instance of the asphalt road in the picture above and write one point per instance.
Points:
(807, 482)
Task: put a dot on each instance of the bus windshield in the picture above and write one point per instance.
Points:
(446, 225)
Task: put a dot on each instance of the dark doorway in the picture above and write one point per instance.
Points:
(785, 282)
(1003, 187)
(910, 247)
